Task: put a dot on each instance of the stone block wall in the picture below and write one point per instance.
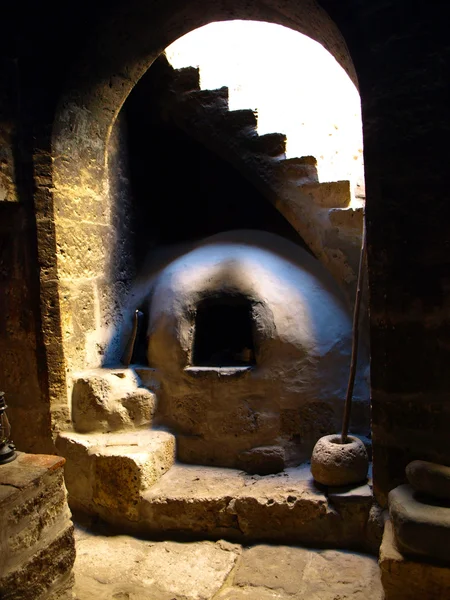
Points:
(94, 259)
(37, 547)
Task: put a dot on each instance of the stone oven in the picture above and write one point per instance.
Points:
(250, 339)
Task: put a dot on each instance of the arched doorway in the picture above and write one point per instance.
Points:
(90, 214)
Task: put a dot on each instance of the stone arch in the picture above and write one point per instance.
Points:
(91, 280)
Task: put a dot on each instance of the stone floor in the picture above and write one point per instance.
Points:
(121, 567)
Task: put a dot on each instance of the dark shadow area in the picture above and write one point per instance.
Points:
(181, 190)
(223, 335)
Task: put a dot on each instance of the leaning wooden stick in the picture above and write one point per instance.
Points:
(128, 353)
(355, 339)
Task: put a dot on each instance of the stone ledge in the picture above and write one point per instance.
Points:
(130, 481)
(287, 508)
(26, 470)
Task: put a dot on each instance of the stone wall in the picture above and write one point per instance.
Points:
(95, 262)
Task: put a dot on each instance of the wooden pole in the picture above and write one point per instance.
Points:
(128, 353)
(355, 339)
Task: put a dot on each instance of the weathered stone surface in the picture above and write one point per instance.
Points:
(421, 528)
(130, 568)
(430, 478)
(375, 528)
(263, 460)
(332, 574)
(270, 144)
(257, 593)
(347, 219)
(337, 464)
(332, 194)
(302, 170)
(126, 568)
(278, 568)
(109, 472)
(110, 400)
(45, 568)
(79, 467)
(277, 508)
(37, 548)
(409, 579)
(122, 473)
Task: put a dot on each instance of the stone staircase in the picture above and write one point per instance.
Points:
(122, 469)
(130, 479)
(319, 212)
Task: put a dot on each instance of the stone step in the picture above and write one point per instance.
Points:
(270, 144)
(237, 120)
(302, 169)
(211, 502)
(107, 472)
(331, 194)
(204, 99)
(186, 79)
(235, 123)
(347, 219)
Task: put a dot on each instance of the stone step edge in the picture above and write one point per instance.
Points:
(90, 456)
(328, 194)
(348, 218)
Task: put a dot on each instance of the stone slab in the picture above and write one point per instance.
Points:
(287, 507)
(333, 575)
(407, 579)
(125, 567)
(278, 568)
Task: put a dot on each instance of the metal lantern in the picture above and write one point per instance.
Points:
(7, 448)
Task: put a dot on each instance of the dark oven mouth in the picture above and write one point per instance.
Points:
(224, 332)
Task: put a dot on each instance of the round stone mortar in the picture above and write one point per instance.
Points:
(334, 463)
